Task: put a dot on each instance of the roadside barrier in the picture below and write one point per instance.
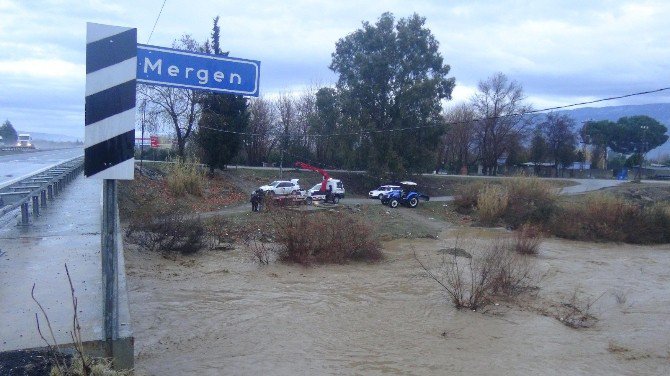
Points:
(37, 190)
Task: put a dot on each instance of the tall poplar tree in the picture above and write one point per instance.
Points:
(224, 117)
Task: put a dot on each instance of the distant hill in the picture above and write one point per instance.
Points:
(658, 111)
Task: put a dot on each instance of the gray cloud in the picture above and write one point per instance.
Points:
(560, 53)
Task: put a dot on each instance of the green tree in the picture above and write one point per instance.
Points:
(637, 134)
(634, 134)
(392, 76)
(8, 133)
(224, 117)
(597, 134)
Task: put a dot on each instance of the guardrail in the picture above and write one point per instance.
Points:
(38, 189)
(14, 148)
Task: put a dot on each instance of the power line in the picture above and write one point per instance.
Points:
(601, 100)
(156, 22)
(458, 122)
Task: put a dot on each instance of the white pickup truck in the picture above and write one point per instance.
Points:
(336, 188)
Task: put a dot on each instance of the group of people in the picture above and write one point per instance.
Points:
(257, 200)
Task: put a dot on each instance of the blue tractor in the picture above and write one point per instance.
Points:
(407, 196)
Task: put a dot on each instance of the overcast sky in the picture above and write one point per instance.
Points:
(561, 54)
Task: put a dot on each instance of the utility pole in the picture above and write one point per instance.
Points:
(641, 151)
(144, 108)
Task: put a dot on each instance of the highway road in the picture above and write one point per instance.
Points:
(15, 166)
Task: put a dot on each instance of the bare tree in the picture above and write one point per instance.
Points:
(458, 141)
(305, 106)
(499, 105)
(287, 118)
(560, 137)
(262, 122)
(180, 108)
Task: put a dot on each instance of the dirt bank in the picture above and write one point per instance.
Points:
(217, 313)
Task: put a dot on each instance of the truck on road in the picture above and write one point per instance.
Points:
(331, 190)
(25, 141)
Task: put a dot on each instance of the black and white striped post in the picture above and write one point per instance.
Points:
(111, 58)
(114, 64)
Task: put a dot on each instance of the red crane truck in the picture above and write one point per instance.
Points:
(332, 190)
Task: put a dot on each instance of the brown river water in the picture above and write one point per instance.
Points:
(218, 313)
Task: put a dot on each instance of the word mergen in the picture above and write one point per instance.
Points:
(201, 74)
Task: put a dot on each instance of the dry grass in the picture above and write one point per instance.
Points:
(79, 364)
(492, 202)
(527, 239)
(516, 201)
(611, 218)
(531, 200)
(465, 197)
(185, 178)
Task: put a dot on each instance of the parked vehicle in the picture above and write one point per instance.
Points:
(336, 189)
(25, 141)
(315, 189)
(379, 192)
(330, 190)
(408, 196)
(281, 187)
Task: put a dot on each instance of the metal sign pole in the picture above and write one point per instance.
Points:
(144, 108)
(111, 59)
(109, 250)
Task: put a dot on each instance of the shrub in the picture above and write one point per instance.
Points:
(653, 227)
(576, 312)
(610, 218)
(219, 231)
(527, 239)
(492, 202)
(185, 177)
(176, 233)
(465, 198)
(474, 282)
(530, 200)
(260, 252)
(520, 200)
(324, 237)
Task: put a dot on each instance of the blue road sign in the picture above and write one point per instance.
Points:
(191, 70)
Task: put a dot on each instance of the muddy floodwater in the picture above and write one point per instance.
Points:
(218, 313)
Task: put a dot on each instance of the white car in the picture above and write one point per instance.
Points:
(281, 187)
(315, 189)
(382, 190)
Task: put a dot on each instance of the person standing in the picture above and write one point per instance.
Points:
(261, 199)
(254, 201)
